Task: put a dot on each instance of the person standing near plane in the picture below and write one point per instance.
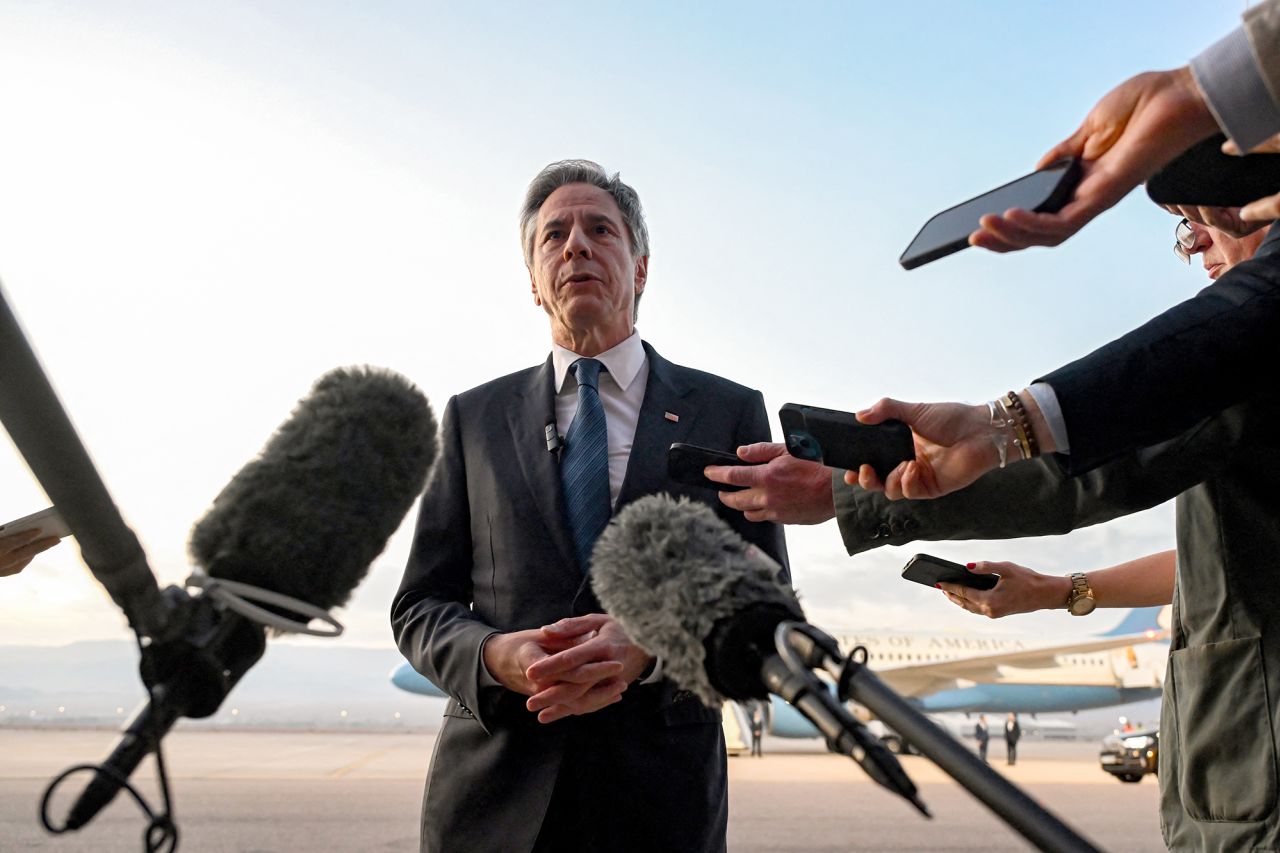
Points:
(757, 729)
(983, 736)
(1012, 734)
(561, 734)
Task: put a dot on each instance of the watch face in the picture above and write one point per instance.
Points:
(1082, 606)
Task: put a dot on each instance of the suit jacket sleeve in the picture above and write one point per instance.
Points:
(431, 615)
(1262, 24)
(1037, 498)
(1196, 359)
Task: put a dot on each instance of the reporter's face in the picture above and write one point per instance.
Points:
(1219, 251)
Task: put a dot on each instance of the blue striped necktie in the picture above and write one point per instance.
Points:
(584, 470)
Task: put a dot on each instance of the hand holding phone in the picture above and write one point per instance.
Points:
(931, 571)
(17, 550)
(48, 521)
(685, 463)
(1045, 191)
(839, 440)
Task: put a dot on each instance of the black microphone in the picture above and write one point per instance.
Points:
(305, 519)
(552, 436)
(689, 590)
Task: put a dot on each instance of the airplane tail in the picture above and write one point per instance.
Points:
(1141, 619)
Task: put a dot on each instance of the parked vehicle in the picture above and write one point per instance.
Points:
(1130, 755)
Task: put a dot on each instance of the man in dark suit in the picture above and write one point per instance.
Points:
(1012, 734)
(560, 733)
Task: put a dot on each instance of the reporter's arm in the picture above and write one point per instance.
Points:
(1199, 357)
(956, 443)
(1144, 582)
(1232, 76)
(779, 487)
(1039, 498)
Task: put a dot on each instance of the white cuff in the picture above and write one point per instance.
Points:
(1047, 400)
(654, 676)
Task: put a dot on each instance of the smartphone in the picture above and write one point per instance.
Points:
(686, 461)
(932, 571)
(1045, 191)
(48, 521)
(839, 440)
(1203, 175)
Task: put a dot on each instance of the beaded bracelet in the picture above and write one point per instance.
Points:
(1022, 426)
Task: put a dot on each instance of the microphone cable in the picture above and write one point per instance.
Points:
(161, 833)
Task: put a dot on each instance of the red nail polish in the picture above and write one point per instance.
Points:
(970, 565)
(937, 586)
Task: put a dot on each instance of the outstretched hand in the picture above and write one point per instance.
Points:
(780, 487)
(19, 549)
(1019, 590)
(953, 448)
(1135, 130)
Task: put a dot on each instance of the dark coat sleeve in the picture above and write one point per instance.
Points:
(1201, 356)
(431, 615)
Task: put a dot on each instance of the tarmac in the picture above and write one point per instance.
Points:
(289, 792)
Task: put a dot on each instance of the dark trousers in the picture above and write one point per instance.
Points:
(1011, 751)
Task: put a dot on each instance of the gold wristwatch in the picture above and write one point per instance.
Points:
(1080, 602)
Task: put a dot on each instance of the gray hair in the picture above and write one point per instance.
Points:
(562, 172)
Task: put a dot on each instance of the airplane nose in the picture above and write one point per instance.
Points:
(409, 679)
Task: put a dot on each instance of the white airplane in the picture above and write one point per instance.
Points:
(979, 673)
(973, 672)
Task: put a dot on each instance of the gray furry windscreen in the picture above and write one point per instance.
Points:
(668, 570)
(307, 517)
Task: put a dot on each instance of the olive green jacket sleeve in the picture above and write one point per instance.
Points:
(1037, 498)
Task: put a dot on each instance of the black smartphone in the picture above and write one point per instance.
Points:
(932, 571)
(839, 440)
(686, 461)
(1203, 175)
(1045, 191)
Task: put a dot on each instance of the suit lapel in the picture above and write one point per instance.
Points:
(527, 421)
(666, 396)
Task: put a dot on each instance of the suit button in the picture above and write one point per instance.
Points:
(882, 532)
(911, 524)
(895, 528)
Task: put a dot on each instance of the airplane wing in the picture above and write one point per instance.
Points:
(921, 679)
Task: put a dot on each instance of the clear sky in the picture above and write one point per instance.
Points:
(203, 207)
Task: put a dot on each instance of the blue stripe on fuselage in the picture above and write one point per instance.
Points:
(1032, 698)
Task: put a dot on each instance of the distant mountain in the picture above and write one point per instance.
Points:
(291, 685)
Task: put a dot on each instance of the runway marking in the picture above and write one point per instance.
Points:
(357, 764)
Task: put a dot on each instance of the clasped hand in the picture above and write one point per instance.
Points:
(575, 666)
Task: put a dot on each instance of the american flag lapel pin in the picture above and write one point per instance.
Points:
(671, 416)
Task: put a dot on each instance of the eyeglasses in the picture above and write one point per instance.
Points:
(1186, 241)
